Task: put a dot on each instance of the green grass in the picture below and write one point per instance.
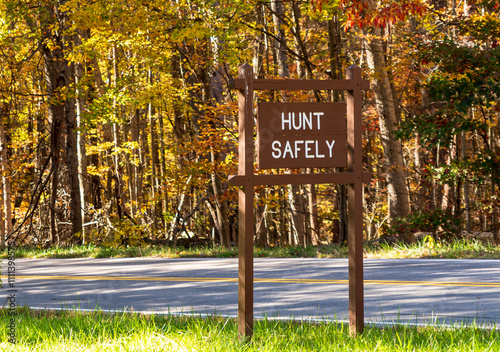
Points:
(461, 248)
(98, 331)
(94, 251)
(456, 249)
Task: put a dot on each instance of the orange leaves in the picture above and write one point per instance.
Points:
(366, 13)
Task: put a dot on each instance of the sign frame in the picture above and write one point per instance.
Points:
(246, 180)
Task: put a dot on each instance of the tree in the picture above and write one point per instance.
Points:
(460, 57)
(125, 123)
(59, 76)
(373, 17)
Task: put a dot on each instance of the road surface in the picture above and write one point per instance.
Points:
(402, 290)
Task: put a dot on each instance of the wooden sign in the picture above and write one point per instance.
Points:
(295, 135)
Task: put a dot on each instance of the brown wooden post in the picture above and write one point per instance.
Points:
(245, 203)
(355, 202)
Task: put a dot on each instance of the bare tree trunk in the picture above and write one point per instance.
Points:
(221, 211)
(156, 212)
(72, 159)
(3, 234)
(176, 220)
(80, 136)
(313, 215)
(55, 79)
(398, 195)
(164, 195)
(94, 182)
(300, 62)
(466, 186)
(280, 47)
(261, 230)
(138, 167)
(342, 194)
(494, 213)
(336, 72)
(6, 206)
(447, 199)
(282, 218)
(297, 206)
(259, 47)
(116, 140)
(221, 205)
(335, 51)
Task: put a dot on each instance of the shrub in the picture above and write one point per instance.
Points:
(440, 222)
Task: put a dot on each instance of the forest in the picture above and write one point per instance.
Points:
(118, 127)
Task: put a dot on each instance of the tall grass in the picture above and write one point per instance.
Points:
(97, 331)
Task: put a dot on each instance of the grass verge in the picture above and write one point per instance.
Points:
(461, 248)
(98, 331)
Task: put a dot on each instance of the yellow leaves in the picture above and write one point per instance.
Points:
(483, 26)
(92, 170)
(99, 148)
(431, 243)
(109, 148)
(196, 30)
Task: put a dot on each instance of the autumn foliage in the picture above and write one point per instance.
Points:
(117, 125)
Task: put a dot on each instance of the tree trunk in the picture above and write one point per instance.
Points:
(297, 206)
(280, 47)
(261, 230)
(284, 239)
(164, 194)
(259, 46)
(221, 204)
(494, 213)
(398, 195)
(335, 51)
(94, 182)
(72, 159)
(336, 72)
(221, 212)
(156, 211)
(6, 206)
(58, 76)
(3, 234)
(80, 136)
(117, 140)
(342, 196)
(313, 215)
(55, 80)
(138, 167)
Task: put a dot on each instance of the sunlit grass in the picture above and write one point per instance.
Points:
(98, 331)
(457, 249)
(460, 248)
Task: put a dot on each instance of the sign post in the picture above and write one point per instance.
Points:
(300, 135)
(245, 203)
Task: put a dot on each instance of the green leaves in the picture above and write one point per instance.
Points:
(426, 221)
(439, 128)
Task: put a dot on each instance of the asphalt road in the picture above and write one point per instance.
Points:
(416, 291)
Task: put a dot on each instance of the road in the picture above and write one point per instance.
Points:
(405, 290)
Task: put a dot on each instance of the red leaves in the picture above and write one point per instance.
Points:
(364, 13)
